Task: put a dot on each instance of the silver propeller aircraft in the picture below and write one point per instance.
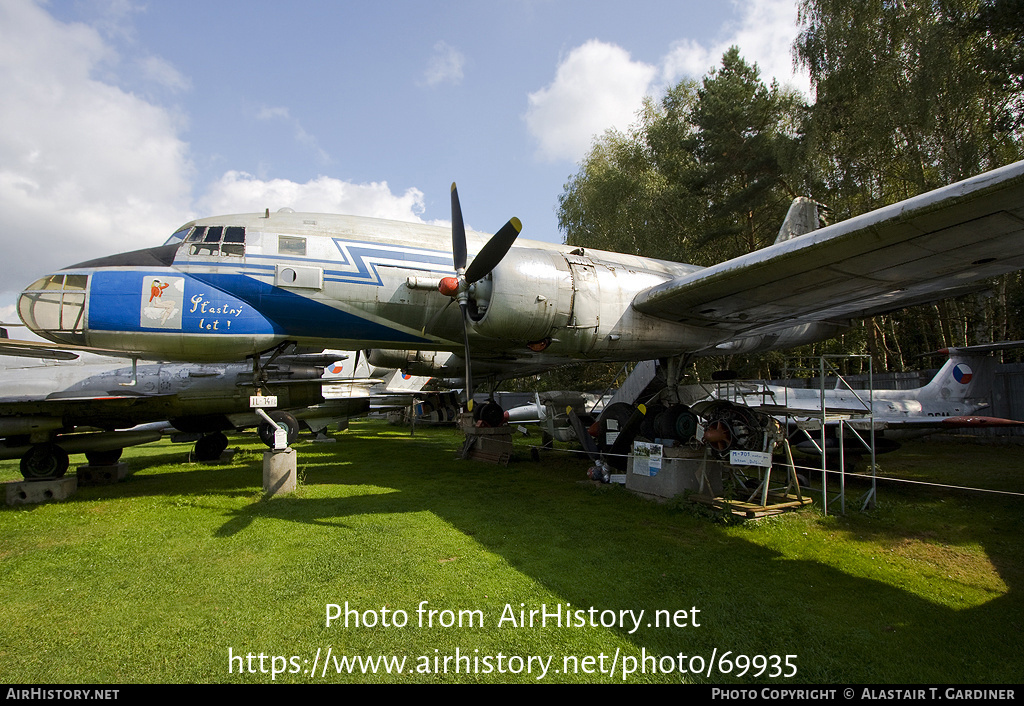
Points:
(227, 287)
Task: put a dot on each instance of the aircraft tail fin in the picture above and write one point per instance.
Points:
(402, 382)
(967, 375)
(802, 217)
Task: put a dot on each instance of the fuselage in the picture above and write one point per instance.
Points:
(232, 286)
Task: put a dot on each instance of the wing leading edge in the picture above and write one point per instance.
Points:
(919, 250)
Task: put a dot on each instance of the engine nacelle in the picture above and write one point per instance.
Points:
(786, 338)
(526, 297)
(426, 363)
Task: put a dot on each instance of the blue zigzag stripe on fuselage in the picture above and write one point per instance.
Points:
(364, 259)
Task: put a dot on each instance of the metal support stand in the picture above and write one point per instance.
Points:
(845, 423)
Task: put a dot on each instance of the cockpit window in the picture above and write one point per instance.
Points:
(56, 304)
(234, 241)
(212, 241)
(178, 236)
(75, 281)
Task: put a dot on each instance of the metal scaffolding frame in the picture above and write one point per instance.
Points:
(846, 423)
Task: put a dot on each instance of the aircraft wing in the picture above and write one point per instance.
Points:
(919, 250)
(53, 351)
(34, 349)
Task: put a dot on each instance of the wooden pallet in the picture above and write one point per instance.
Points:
(499, 457)
(776, 504)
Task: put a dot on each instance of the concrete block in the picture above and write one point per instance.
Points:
(680, 472)
(279, 471)
(41, 491)
(102, 475)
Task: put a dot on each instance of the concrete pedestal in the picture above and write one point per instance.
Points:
(89, 474)
(279, 471)
(41, 491)
(681, 470)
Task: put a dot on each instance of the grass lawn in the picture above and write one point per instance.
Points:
(186, 573)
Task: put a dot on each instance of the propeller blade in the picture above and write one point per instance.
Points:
(435, 317)
(493, 251)
(586, 441)
(469, 372)
(624, 441)
(458, 232)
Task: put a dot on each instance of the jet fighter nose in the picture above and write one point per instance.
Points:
(54, 307)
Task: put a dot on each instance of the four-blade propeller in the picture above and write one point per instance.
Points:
(457, 287)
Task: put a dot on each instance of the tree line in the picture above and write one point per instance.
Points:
(909, 95)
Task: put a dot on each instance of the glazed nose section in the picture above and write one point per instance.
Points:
(54, 307)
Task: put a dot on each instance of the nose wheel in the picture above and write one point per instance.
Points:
(267, 430)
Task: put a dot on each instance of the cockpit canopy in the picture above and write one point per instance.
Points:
(56, 305)
(211, 241)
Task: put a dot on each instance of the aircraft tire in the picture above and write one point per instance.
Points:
(490, 413)
(104, 458)
(266, 431)
(44, 461)
(677, 422)
(648, 428)
(210, 446)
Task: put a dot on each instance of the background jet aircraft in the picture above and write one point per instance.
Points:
(548, 409)
(50, 410)
(233, 286)
(958, 395)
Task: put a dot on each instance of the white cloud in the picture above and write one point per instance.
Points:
(689, 58)
(238, 192)
(764, 34)
(445, 65)
(163, 72)
(596, 87)
(8, 314)
(86, 168)
(273, 112)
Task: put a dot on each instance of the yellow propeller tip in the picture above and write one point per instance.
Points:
(517, 224)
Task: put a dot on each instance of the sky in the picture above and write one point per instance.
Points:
(123, 119)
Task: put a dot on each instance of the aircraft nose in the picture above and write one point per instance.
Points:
(54, 307)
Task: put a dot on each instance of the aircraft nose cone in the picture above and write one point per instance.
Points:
(54, 307)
